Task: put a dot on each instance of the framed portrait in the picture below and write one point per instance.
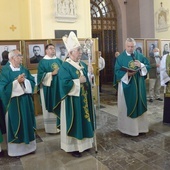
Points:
(165, 47)
(88, 50)
(34, 51)
(61, 51)
(5, 48)
(140, 44)
(150, 45)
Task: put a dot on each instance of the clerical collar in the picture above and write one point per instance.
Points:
(14, 68)
(128, 53)
(49, 58)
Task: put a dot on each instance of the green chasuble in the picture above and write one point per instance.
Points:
(21, 118)
(51, 93)
(135, 90)
(79, 109)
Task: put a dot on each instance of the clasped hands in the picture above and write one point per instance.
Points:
(55, 71)
(21, 78)
(90, 70)
(82, 79)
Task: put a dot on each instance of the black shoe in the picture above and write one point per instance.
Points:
(159, 99)
(76, 154)
(151, 100)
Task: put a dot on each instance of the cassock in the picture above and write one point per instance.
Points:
(19, 109)
(49, 91)
(77, 123)
(165, 79)
(132, 103)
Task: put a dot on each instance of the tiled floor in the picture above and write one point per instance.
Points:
(116, 151)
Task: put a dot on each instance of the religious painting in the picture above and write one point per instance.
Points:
(150, 45)
(5, 48)
(140, 46)
(61, 51)
(35, 51)
(165, 47)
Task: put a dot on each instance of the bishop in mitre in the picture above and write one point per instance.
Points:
(77, 124)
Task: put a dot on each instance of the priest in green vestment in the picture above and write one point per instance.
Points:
(17, 86)
(131, 70)
(47, 80)
(77, 128)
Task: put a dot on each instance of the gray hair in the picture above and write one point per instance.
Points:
(131, 40)
(12, 53)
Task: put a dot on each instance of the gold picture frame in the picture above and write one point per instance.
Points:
(140, 46)
(165, 47)
(150, 45)
(34, 52)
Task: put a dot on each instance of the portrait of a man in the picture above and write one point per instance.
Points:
(36, 53)
(61, 51)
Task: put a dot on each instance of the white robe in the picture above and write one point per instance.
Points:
(164, 77)
(127, 125)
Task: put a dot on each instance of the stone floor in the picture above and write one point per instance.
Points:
(116, 151)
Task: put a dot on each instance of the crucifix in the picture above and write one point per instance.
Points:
(161, 4)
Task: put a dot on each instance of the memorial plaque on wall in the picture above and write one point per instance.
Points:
(61, 33)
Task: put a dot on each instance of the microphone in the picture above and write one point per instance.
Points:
(133, 56)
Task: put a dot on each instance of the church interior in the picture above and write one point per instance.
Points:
(107, 23)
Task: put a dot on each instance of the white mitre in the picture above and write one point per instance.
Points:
(71, 42)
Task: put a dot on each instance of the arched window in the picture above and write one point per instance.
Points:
(104, 21)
